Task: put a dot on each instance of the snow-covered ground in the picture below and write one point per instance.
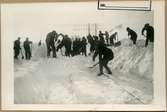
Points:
(67, 80)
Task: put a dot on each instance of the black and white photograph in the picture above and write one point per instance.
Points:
(73, 53)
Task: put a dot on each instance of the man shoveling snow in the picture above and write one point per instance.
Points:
(105, 55)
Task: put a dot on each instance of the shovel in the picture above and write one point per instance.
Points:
(94, 65)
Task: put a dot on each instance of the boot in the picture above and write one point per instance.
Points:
(100, 74)
(110, 72)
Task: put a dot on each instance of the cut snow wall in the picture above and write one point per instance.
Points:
(134, 60)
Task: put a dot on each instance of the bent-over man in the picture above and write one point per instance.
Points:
(105, 55)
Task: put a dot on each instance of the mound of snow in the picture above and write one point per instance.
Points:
(134, 59)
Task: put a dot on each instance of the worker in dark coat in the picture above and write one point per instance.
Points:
(101, 36)
(107, 37)
(27, 49)
(112, 38)
(84, 43)
(149, 33)
(95, 38)
(105, 55)
(132, 34)
(17, 48)
(74, 47)
(91, 42)
(39, 44)
(51, 38)
(67, 43)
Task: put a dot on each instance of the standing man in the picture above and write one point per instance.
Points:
(112, 38)
(107, 37)
(27, 48)
(84, 43)
(74, 47)
(101, 36)
(51, 38)
(67, 43)
(149, 33)
(91, 42)
(39, 44)
(17, 48)
(132, 34)
(105, 55)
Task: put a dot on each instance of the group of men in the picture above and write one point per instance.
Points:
(109, 40)
(77, 46)
(147, 31)
(98, 45)
(106, 54)
(55, 42)
(18, 49)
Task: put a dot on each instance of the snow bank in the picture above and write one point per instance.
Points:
(134, 59)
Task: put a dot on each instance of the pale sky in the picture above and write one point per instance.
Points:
(36, 20)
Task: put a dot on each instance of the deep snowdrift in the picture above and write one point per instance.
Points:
(134, 59)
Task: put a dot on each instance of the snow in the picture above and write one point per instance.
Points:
(136, 60)
(67, 80)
